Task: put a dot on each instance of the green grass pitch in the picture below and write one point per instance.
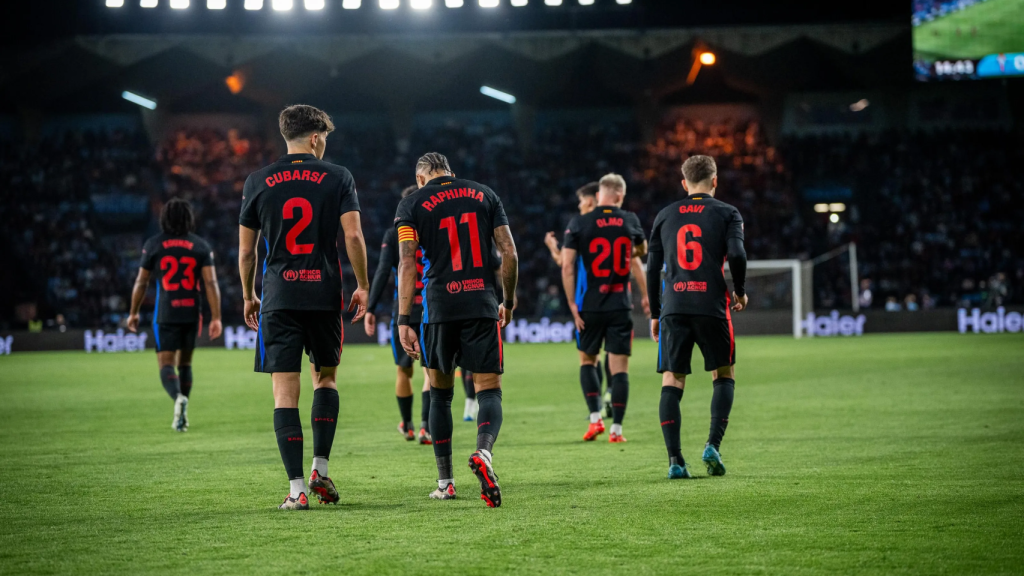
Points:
(999, 26)
(888, 454)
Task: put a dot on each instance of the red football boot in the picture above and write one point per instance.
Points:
(406, 433)
(595, 430)
(616, 438)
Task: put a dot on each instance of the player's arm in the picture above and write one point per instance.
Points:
(408, 243)
(380, 279)
(247, 238)
(737, 256)
(213, 296)
(640, 275)
(138, 295)
(355, 246)
(509, 271)
(655, 262)
(552, 243)
(569, 283)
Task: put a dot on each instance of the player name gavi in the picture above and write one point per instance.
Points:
(440, 197)
(290, 175)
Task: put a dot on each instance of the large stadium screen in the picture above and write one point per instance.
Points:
(968, 39)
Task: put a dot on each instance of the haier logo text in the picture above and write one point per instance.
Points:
(539, 332)
(833, 325)
(116, 342)
(989, 322)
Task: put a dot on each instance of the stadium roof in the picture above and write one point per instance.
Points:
(381, 72)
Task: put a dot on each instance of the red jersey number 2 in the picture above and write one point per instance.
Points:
(304, 219)
(689, 254)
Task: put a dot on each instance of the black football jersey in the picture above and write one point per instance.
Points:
(692, 235)
(178, 263)
(604, 241)
(455, 220)
(296, 203)
(387, 265)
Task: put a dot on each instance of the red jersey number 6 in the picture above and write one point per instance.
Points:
(689, 254)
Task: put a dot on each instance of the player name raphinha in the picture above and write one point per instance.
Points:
(436, 199)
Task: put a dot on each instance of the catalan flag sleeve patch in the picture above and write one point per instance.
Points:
(406, 234)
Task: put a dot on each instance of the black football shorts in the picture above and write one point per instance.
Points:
(614, 329)
(474, 344)
(679, 332)
(173, 337)
(284, 334)
(401, 358)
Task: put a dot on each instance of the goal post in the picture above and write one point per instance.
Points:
(768, 275)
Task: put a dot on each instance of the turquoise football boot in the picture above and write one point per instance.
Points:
(713, 460)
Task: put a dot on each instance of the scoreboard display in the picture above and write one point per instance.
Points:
(968, 39)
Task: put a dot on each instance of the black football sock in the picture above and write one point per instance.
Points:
(668, 411)
(324, 421)
(606, 371)
(289, 440)
(425, 411)
(600, 375)
(441, 430)
(468, 385)
(185, 378)
(721, 405)
(591, 387)
(405, 408)
(620, 396)
(489, 418)
(170, 381)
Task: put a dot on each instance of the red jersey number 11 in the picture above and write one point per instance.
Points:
(448, 223)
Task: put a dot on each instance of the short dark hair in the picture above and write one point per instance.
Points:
(588, 189)
(409, 190)
(176, 217)
(432, 162)
(699, 168)
(302, 120)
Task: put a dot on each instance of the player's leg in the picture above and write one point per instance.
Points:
(184, 361)
(404, 395)
(439, 344)
(323, 335)
(403, 384)
(280, 340)
(715, 338)
(604, 375)
(169, 341)
(588, 342)
(675, 347)
(482, 352)
(424, 435)
(619, 346)
(469, 412)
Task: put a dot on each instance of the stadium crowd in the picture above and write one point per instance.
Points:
(935, 225)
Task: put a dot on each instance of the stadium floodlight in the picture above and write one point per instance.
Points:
(351, 4)
(147, 3)
(179, 4)
(518, 3)
(216, 4)
(314, 4)
(254, 4)
(837, 207)
(281, 5)
(115, 3)
(586, 2)
(498, 94)
(834, 218)
(821, 208)
(859, 105)
(553, 2)
(488, 3)
(623, 2)
(140, 100)
(388, 4)
(707, 58)
(420, 4)
(453, 3)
